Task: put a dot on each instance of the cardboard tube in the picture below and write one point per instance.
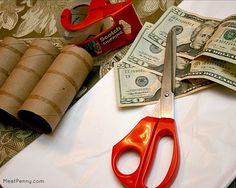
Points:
(10, 52)
(49, 100)
(25, 76)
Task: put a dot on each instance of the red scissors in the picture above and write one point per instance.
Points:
(144, 138)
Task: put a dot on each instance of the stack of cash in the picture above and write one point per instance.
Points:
(206, 55)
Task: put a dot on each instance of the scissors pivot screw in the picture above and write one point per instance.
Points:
(167, 95)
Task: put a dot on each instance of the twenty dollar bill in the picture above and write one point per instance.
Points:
(136, 86)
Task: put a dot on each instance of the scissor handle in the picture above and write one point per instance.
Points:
(144, 139)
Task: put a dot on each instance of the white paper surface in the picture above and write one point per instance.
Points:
(78, 153)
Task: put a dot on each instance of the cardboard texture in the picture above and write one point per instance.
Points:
(49, 100)
(10, 53)
(26, 74)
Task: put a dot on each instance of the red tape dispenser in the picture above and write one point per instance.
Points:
(99, 26)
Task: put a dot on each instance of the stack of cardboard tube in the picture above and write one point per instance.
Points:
(38, 82)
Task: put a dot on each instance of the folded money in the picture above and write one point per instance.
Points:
(206, 54)
(147, 51)
(136, 86)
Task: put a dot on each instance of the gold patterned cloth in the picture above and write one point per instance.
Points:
(30, 19)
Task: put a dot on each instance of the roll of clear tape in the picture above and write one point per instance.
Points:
(47, 103)
(79, 11)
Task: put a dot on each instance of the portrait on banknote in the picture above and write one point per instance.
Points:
(198, 39)
(181, 87)
(182, 66)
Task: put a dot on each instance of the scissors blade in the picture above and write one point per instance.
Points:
(168, 80)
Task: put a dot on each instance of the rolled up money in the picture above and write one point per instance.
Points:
(47, 103)
(26, 74)
(11, 51)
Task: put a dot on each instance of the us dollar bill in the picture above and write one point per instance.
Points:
(139, 74)
(222, 44)
(136, 86)
(197, 35)
(144, 54)
(221, 72)
(193, 31)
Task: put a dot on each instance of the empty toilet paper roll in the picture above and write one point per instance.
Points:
(11, 51)
(49, 100)
(31, 67)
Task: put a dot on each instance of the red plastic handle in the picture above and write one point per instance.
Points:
(143, 139)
